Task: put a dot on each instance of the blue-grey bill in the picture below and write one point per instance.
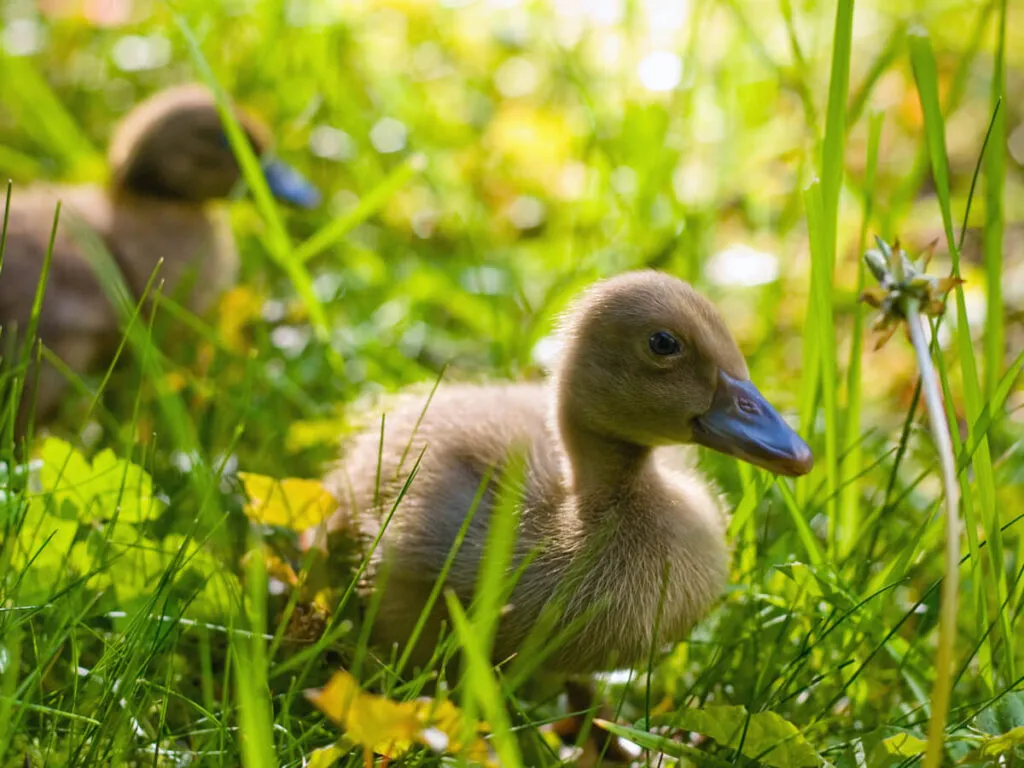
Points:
(743, 424)
(289, 185)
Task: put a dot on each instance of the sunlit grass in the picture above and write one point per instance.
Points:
(533, 161)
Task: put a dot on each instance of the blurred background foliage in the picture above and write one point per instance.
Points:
(561, 142)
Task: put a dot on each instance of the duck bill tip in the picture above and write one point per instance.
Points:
(743, 424)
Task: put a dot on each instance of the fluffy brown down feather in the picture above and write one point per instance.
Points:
(619, 528)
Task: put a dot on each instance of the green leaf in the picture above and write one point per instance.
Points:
(109, 486)
(64, 472)
(1002, 745)
(325, 757)
(658, 743)
(885, 748)
(763, 736)
(118, 483)
(1006, 714)
(43, 539)
(819, 581)
(902, 745)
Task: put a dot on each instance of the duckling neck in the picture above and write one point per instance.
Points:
(142, 186)
(603, 470)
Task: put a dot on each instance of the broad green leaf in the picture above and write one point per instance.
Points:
(122, 559)
(107, 487)
(1002, 745)
(903, 745)
(217, 591)
(1004, 715)
(763, 736)
(64, 472)
(43, 539)
(884, 748)
(119, 484)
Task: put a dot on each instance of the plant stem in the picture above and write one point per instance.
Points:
(950, 584)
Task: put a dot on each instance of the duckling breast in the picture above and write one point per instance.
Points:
(191, 244)
(644, 581)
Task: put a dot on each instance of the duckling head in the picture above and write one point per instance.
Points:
(648, 361)
(173, 146)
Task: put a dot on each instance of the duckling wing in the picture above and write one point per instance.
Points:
(76, 321)
(74, 303)
(433, 467)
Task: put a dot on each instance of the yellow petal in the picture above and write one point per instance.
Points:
(325, 757)
(238, 307)
(291, 503)
(378, 724)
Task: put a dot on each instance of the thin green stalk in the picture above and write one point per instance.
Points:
(334, 231)
(926, 78)
(823, 327)
(482, 688)
(944, 659)
(279, 244)
(849, 501)
(819, 349)
(995, 182)
(256, 721)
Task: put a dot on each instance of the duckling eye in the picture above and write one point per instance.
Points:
(663, 343)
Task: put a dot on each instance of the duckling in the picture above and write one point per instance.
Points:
(612, 534)
(169, 160)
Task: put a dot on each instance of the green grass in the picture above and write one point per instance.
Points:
(150, 638)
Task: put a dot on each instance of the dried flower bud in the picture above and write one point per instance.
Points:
(900, 280)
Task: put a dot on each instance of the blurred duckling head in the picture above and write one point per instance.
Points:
(174, 146)
(647, 361)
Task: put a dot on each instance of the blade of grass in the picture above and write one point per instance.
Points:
(894, 48)
(945, 653)
(822, 260)
(181, 429)
(926, 78)
(503, 526)
(30, 342)
(3, 228)
(481, 684)
(278, 243)
(806, 535)
(849, 503)
(819, 349)
(256, 722)
(911, 184)
(372, 202)
(832, 153)
(995, 183)
(439, 582)
(36, 107)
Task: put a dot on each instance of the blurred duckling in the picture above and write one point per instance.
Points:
(170, 160)
(615, 537)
